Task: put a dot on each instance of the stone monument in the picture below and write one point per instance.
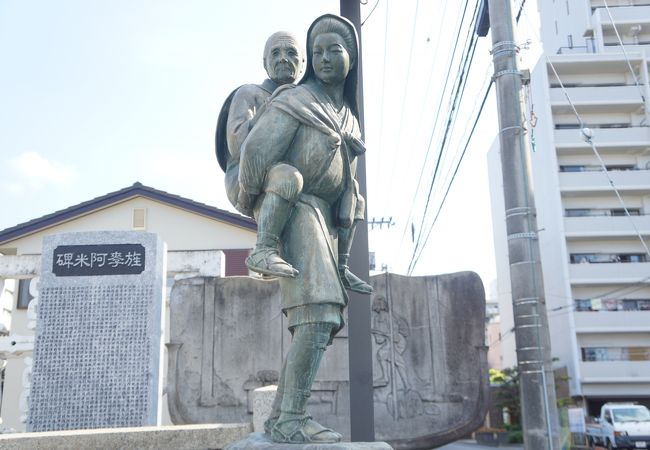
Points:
(429, 356)
(98, 345)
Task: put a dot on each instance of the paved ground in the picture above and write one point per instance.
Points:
(472, 445)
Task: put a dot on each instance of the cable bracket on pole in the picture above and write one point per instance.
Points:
(506, 72)
(529, 235)
(519, 211)
(528, 349)
(504, 47)
(514, 127)
(526, 301)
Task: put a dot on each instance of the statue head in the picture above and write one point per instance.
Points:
(283, 57)
(330, 28)
(379, 304)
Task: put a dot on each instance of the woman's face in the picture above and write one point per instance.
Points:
(331, 61)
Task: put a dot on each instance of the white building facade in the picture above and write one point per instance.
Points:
(594, 245)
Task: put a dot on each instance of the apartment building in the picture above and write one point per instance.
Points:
(589, 127)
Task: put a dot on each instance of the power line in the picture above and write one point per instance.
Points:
(453, 103)
(442, 204)
(460, 84)
(437, 114)
(370, 13)
(404, 96)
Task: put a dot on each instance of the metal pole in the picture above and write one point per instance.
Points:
(362, 416)
(537, 386)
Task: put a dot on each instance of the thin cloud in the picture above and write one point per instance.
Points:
(30, 171)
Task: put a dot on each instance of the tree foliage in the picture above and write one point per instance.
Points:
(507, 396)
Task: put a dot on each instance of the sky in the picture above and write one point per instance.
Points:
(95, 96)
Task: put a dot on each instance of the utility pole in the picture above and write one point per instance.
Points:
(537, 386)
(362, 416)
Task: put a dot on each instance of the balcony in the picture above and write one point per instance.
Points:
(629, 48)
(605, 226)
(615, 372)
(630, 181)
(606, 139)
(612, 322)
(614, 273)
(595, 99)
(624, 14)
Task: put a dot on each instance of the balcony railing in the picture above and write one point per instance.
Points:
(606, 225)
(624, 139)
(606, 274)
(598, 98)
(624, 180)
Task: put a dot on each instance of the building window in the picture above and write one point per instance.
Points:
(139, 218)
(578, 212)
(612, 304)
(595, 212)
(24, 296)
(236, 262)
(603, 258)
(599, 354)
(596, 168)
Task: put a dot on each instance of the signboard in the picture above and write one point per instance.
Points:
(577, 420)
(93, 260)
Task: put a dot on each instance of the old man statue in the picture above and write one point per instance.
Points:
(283, 59)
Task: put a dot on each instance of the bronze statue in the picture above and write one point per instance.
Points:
(283, 59)
(297, 172)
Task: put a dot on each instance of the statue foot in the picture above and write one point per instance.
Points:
(269, 424)
(267, 261)
(353, 282)
(303, 431)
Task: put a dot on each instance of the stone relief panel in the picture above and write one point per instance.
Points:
(228, 337)
(429, 358)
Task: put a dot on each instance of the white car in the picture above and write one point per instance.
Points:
(621, 425)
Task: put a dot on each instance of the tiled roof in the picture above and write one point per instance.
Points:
(137, 189)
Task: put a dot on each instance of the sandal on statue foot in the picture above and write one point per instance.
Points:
(267, 261)
(269, 424)
(353, 282)
(303, 431)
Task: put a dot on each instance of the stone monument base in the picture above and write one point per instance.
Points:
(182, 437)
(259, 441)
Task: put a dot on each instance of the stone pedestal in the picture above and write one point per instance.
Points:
(186, 437)
(259, 441)
(262, 403)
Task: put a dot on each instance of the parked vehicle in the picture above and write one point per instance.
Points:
(620, 425)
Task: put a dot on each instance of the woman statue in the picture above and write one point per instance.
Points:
(298, 168)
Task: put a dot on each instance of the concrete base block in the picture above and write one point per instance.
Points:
(259, 441)
(262, 405)
(183, 437)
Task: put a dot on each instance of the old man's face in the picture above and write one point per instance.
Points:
(283, 61)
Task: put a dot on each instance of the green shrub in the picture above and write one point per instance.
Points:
(515, 437)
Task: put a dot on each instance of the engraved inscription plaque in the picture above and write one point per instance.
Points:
(98, 346)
